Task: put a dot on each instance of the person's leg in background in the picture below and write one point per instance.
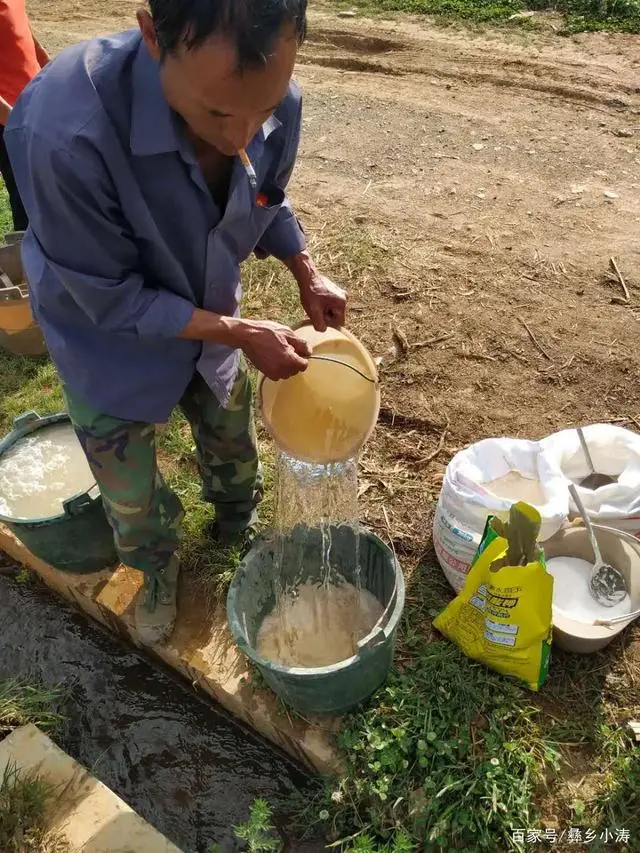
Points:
(227, 455)
(144, 513)
(20, 220)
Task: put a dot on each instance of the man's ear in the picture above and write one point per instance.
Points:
(148, 31)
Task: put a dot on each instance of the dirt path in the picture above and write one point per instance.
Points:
(496, 175)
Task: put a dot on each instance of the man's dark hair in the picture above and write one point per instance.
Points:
(253, 25)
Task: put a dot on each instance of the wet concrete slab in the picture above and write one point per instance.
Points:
(87, 814)
(201, 649)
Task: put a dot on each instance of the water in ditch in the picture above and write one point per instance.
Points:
(180, 762)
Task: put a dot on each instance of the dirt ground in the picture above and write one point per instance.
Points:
(496, 175)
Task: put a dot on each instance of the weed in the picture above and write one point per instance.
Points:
(22, 703)
(258, 833)
(23, 807)
(23, 576)
(365, 843)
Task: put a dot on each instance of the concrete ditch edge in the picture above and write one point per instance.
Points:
(87, 814)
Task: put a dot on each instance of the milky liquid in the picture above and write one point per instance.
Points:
(318, 625)
(41, 471)
(571, 593)
(514, 486)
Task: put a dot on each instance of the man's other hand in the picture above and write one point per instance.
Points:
(325, 303)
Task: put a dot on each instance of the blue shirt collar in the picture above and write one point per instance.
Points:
(154, 125)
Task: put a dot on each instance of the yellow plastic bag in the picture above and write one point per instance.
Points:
(502, 616)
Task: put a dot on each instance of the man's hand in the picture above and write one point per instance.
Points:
(324, 302)
(274, 349)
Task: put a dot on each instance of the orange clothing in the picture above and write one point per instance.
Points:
(18, 60)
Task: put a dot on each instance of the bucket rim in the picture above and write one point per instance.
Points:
(575, 628)
(24, 425)
(319, 672)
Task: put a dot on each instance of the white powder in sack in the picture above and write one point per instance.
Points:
(571, 594)
(41, 471)
(318, 625)
(514, 486)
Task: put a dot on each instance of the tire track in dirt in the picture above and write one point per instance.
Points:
(572, 81)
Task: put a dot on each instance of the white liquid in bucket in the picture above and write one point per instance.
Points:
(318, 625)
(515, 486)
(571, 594)
(41, 471)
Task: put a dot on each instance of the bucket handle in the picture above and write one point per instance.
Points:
(25, 420)
(78, 504)
(5, 282)
(616, 620)
(332, 360)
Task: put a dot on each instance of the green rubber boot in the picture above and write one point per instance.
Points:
(156, 607)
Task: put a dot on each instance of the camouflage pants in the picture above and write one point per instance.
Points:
(143, 511)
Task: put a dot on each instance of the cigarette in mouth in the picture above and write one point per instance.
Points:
(244, 159)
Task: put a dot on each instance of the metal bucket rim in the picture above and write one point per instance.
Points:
(10, 439)
(320, 671)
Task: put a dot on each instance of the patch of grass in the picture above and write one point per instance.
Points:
(601, 15)
(22, 703)
(447, 753)
(270, 292)
(24, 803)
(479, 11)
(617, 805)
(6, 220)
(580, 15)
(27, 384)
(451, 756)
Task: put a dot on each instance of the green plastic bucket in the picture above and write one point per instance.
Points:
(342, 686)
(79, 539)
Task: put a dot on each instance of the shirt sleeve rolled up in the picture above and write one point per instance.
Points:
(78, 224)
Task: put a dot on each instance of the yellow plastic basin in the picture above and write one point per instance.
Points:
(327, 413)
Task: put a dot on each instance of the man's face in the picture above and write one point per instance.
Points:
(221, 105)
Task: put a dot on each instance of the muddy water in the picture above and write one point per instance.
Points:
(181, 763)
